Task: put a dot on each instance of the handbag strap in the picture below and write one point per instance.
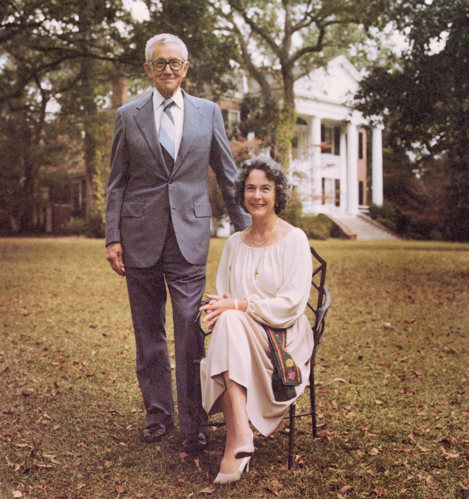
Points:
(286, 368)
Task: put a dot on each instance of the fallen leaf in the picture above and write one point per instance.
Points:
(340, 380)
(208, 491)
(273, 486)
(119, 489)
(411, 437)
(422, 449)
(450, 350)
(197, 465)
(449, 455)
(118, 441)
(345, 489)
(51, 458)
(80, 485)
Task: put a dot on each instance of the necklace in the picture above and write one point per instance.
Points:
(264, 241)
(256, 268)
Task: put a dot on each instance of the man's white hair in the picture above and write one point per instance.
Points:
(164, 39)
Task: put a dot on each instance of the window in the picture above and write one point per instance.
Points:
(330, 139)
(327, 191)
(337, 140)
(337, 192)
(360, 145)
(231, 117)
(326, 139)
(300, 141)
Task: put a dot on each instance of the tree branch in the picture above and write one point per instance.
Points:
(254, 27)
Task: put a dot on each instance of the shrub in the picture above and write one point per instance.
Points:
(95, 225)
(387, 211)
(389, 224)
(316, 226)
(75, 227)
(391, 217)
(294, 210)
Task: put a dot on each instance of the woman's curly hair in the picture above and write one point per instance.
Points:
(273, 171)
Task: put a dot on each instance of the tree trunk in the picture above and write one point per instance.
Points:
(27, 215)
(89, 142)
(285, 122)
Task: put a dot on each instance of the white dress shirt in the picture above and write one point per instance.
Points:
(177, 110)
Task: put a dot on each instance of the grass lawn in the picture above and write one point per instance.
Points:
(392, 375)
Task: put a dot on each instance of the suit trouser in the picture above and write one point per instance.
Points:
(147, 297)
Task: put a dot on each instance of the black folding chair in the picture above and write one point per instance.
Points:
(319, 304)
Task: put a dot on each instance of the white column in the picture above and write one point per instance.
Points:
(316, 161)
(377, 166)
(343, 170)
(352, 169)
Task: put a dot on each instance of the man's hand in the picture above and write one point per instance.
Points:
(114, 254)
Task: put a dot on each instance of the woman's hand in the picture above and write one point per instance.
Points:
(216, 306)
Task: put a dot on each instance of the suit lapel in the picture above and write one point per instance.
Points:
(145, 119)
(191, 125)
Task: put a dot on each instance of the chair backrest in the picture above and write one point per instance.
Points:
(321, 303)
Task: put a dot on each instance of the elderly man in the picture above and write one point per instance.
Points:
(158, 230)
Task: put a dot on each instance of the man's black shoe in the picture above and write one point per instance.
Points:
(154, 432)
(202, 441)
(195, 443)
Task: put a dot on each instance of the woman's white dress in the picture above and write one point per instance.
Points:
(276, 282)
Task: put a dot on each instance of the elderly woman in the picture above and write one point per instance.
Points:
(262, 285)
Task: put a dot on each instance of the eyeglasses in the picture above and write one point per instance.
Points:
(174, 64)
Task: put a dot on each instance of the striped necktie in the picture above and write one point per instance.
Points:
(167, 133)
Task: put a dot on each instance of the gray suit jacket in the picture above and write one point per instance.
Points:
(141, 192)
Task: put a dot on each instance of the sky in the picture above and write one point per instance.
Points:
(138, 9)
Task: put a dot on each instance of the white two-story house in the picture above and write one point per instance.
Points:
(329, 158)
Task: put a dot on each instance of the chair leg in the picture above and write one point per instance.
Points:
(291, 441)
(312, 393)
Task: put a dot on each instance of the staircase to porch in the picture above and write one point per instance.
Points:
(362, 227)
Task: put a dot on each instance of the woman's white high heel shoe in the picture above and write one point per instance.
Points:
(233, 477)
